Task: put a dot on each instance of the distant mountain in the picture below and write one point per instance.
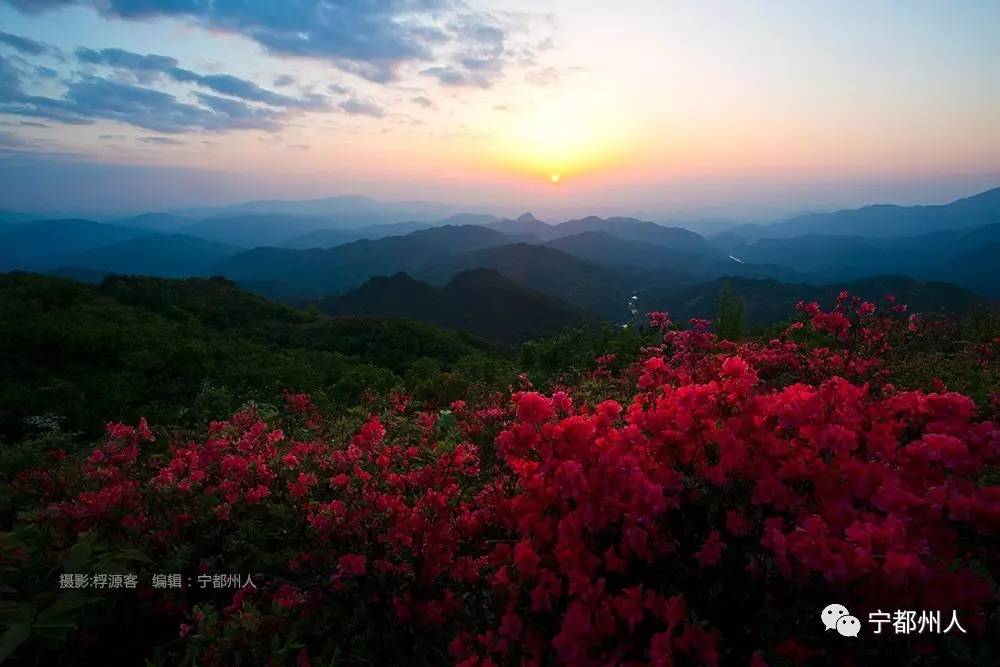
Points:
(602, 290)
(832, 257)
(318, 238)
(46, 244)
(345, 267)
(15, 217)
(669, 263)
(526, 225)
(769, 301)
(160, 222)
(483, 219)
(975, 269)
(602, 248)
(351, 210)
(884, 221)
(480, 301)
(254, 230)
(630, 229)
(159, 255)
(329, 238)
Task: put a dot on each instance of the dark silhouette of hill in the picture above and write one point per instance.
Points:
(526, 225)
(603, 248)
(46, 244)
(601, 290)
(925, 256)
(976, 269)
(330, 238)
(479, 301)
(160, 255)
(679, 239)
(768, 301)
(885, 220)
(335, 270)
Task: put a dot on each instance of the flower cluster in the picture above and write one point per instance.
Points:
(705, 520)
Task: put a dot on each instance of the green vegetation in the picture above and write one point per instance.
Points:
(182, 352)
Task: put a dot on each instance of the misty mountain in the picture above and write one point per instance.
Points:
(525, 225)
(483, 219)
(768, 301)
(329, 238)
(255, 230)
(15, 217)
(975, 269)
(670, 264)
(325, 271)
(829, 257)
(601, 247)
(350, 210)
(160, 222)
(601, 290)
(48, 243)
(159, 255)
(630, 229)
(479, 301)
(884, 220)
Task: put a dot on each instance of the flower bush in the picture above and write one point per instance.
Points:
(698, 505)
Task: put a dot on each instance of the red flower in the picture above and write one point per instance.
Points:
(352, 565)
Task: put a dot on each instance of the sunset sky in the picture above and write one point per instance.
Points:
(733, 109)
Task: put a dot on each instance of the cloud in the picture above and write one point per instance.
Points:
(24, 44)
(162, 141)
(10, 80)
(481, 55)
(458, 77)
(338, 89)
(242, 116)
(93, 98)
(284, 80)
(11, 140)
(149, 67)
(372, 39)
(145, 67)
(299, 147)
(423, 101)
(357, 107)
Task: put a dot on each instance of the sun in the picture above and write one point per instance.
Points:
(567, 136)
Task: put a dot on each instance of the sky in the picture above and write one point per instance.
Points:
(672, 110)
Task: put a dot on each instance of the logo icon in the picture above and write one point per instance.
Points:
(848, 626)
(832, 614)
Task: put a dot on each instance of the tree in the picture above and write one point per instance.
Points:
(730, 314)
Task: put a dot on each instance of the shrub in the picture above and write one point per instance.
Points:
(699, 505)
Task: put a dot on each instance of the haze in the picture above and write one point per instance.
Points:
(668, 110)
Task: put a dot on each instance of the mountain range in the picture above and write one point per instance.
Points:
(329, 249)
(479, 301)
